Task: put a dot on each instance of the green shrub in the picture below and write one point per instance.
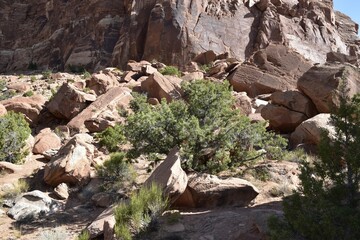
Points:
(14, 130)
(140, 213)
(116, 173)
(86, 75)
(28, 93)
(212, 135)
(46, 74)
(112, 137)
(33, 79)
(170, 70)
(327, 204)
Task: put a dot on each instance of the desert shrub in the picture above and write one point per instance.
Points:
(327, 204)
(33, 79)
(140, 213)
(28, 93)
(14, 130)
(170, 70)
(212, 135)
(86, 74)
(46, 74)
(84, 235)
(16, 189)
(116, 173)
(112, 137)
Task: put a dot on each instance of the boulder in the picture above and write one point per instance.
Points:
(32, 205)
(19, 87)
(104, 80)
(159, 86)
(29, 106)
(170, 176)
(3, 110)
(69, 101)
(205, 57)
(62, 191)
(114, 99)
(46, 140)
(72, 163)
(243, 103)
(209, 191)
(309, 132)
(294, 101)
(281, 118)
(96, 228)
(322, 83)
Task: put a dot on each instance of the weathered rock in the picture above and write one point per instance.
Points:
(62, 191)
(19, 87)
(243, 102)
(72, 163)
(309, 132)
(114, 99)
(193, 76)
(159, 86)
(29, 106)
(208, 191)
(170, 176)
(205, 57)
(96, 228)
(46, 140)
(322, 83)
(9, 167)
(3, 110)
(69, 101)
(104, 80)
(32, 205)
(109, 229)
(102, 199)
(294, 101)
(281, 118)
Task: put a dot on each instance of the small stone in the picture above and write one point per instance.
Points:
(62, 191)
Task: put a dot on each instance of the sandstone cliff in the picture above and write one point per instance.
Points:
(92, 34)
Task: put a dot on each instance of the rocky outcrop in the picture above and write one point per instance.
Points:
(322, 84)
(104, 80)
(209, 191)
(72, 163)
(170, 176)
(74, 35)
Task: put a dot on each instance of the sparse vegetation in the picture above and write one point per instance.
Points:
(206, 67)
(14, 130)
(21, 186)
(140, 213)
(46, 74)
(112, 138)
(116, 173)
(327, 204)
(33, 79)
(86, 75)
(84, 235)
(28, 93)
(170, 70)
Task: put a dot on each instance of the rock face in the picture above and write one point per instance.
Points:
(74, 35)
(208, 191)
(321, 84)
(46, 140)
(72, 162)
(32, 205)
(170, 176)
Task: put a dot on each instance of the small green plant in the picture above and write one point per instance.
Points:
(33, 79)
(86, 75)
(16, 189)
(46, 74)
(206, 67)
(170, 70)
(84, 235)
(21, 76)
(116, 173)
(140, 213)
(14, 130)
(54, 234)
(28, 93)
(112, 138)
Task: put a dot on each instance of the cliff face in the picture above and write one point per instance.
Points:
(96, 33)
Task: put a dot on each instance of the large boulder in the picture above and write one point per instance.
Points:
(159, 86)
(46, 140)
(309, 132)
(104, 80)
(32, 205)
(29, 106)
(72, 163)
(69, 101)
(322, 83)
(114, 99)
(96, 228)
(170, 176)
(209, 191)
